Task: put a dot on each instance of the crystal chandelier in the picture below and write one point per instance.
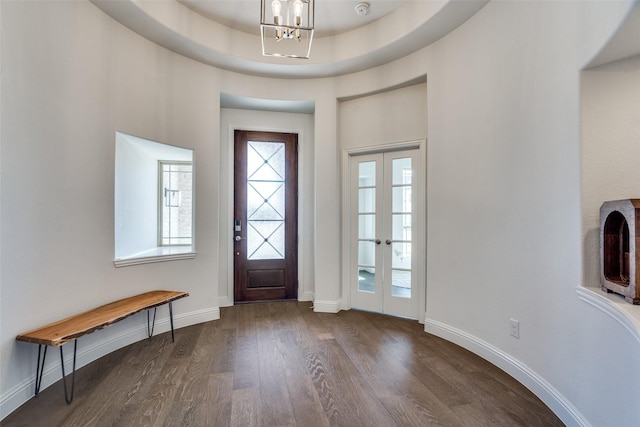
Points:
(286, 27)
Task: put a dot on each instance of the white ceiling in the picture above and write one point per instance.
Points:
(225, 33)
(331, 16)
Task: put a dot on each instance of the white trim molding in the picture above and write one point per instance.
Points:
(305, 295)
(225, 301)
(562, 407)
(326, 306)
(125, 262)
(24, 391)
(614, 305)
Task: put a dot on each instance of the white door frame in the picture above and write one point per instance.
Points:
(421, 238)
(302, 296)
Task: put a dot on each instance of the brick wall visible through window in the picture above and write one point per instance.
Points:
(175, 210)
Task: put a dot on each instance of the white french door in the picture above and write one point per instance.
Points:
(386, 203)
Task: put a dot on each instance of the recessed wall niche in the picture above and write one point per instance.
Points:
(619, 241)
(610, 132)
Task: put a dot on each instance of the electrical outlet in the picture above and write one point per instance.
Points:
(515, 328)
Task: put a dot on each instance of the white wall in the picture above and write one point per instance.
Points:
(71, 78)
(504, 190)
(383, 118)
(135, 197)
(503, 233)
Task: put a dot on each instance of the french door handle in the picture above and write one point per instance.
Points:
(388, 242)
(378, 241)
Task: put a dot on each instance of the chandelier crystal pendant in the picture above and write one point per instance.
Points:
(286, 27)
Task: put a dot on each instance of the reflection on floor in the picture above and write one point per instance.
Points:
(401, 286)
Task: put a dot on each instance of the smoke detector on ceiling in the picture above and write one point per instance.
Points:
(362, 9)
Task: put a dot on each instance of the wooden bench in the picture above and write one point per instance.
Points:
(70, 329)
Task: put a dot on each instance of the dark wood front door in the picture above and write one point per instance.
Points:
(265, 216)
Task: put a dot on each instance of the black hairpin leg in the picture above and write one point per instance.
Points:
(151, 326)
(171, 320)
(68, 399)
(39, 367)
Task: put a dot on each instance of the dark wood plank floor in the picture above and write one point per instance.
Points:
(281, 364)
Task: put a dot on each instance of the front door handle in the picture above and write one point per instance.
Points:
(238, 238)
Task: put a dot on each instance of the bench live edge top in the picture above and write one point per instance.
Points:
(74, 327)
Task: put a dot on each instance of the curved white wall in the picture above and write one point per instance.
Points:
(504, 205)
(71, 78)
(503, 221)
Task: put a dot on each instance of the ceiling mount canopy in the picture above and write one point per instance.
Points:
(286, 27)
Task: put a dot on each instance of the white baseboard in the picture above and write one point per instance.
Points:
(306, 296)
(22, 392)
(225, 302)
(326, 306)
(564, 409)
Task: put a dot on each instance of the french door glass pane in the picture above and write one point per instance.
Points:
(366, 174)
(366, 226)
(366, 279)
(401, 171)
(401, 283)
(401, 205)
(366, 200)
(401, 200)
(401, 255)
(366, 253)
(401, 227)
(265, 200)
